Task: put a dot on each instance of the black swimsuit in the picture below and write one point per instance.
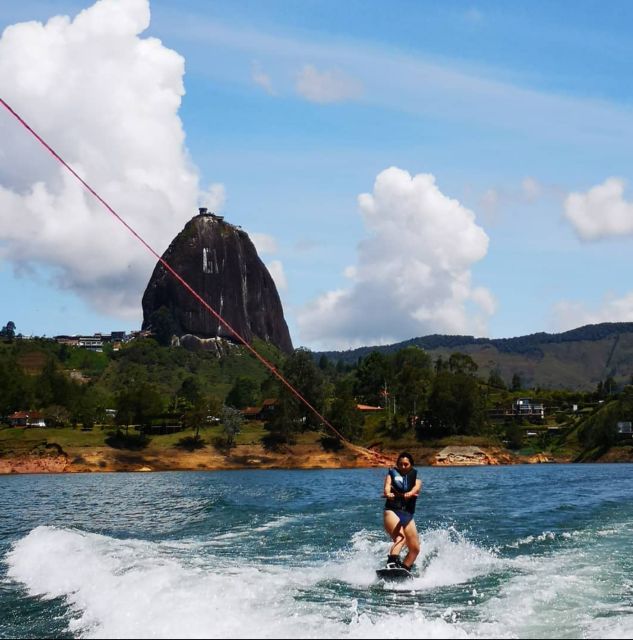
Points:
(403, 507)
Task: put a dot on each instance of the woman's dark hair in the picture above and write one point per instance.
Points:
(406, 454)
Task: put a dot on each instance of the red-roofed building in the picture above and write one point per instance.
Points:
(27, 419)
(260, 413)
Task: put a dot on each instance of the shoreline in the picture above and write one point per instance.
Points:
(109, 460)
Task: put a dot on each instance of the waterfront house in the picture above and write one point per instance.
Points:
(27, 419)
(527, 407)
(520, 408)
(262, 412)
(91, 343)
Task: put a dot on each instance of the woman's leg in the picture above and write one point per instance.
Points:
(412, 540)
(394, 531)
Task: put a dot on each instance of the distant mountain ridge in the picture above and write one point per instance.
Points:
(576, 359)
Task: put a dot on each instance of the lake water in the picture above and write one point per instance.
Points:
(507, 552)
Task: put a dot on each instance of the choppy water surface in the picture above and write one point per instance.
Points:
(507, 552)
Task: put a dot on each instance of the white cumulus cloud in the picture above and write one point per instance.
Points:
(264, 243)
(412, 275)
(107, 101)
(276, 270)
(601, 212)
(327, 86)
(569, 314)
(214, 197)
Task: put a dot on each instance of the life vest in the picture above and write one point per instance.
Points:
(399, 485)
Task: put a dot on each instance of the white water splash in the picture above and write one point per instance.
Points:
(138, 589)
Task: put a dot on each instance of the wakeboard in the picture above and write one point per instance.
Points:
(393, 573)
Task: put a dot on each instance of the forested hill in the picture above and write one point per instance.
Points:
(578, 358)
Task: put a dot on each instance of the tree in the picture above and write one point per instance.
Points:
(372, 374)
(282, 423)
(137, 404)
(85, 411)
(54, 387)
(301, 372)
(412, 380)
(441, 410)
(495, 380)
(343, 413)
(163, 326)
(124, 403)
(243, 393)
(200, 413)
(191, 392)
(341, 367)
(440, 365)
(195, 417)
(64, 353)
(514, 436)
(599, 430)
(16, 388)
(609, 387)
(8, 331)
(455, 405)
(462, 363)
(232, 421)
(57, 415)
(517, 383)
(290, 415)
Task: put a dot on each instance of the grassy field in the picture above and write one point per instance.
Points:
(20, 440)
(74, 440)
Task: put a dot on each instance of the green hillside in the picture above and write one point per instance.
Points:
(577, 360)
(41, 375)
(425, 398)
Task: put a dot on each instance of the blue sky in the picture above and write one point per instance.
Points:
(404, 168)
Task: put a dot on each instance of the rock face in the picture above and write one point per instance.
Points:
(462, 456)
(220, 263)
